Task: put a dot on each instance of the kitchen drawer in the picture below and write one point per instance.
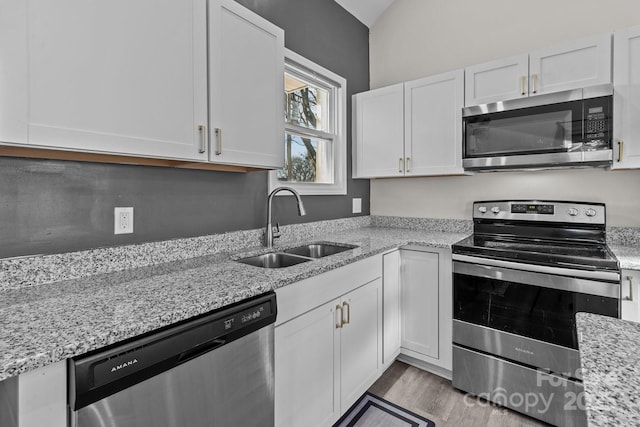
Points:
(300, 297)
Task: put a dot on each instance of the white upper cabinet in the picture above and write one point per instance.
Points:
(410, 129)
(378, 132)
(143, 78)
(498, 80)
(120, 76)
(573, 65)
(626, 98)
(13, 71)
(246, 60)
(433, 125)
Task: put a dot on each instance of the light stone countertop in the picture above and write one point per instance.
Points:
(50, 322)
(610, 368)
(628, 256)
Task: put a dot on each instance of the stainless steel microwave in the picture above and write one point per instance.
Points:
(563, 129)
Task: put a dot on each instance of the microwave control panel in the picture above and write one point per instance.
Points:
(597, 122)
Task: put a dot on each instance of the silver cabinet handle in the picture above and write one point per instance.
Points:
(399, 164)
(406, 164)
(348, 311)
(535, 83)
(620, 145)
(203, 138)
(523, 80)
(630, 297)
(218, 141)
(339, 323)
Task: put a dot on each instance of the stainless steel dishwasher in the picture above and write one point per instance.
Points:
(215, 370)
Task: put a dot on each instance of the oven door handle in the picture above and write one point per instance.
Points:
(552, 281)
(612, 276)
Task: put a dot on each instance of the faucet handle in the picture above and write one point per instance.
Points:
(276, 231)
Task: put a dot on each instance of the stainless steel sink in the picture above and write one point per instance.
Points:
(273, 260)
(319, 250)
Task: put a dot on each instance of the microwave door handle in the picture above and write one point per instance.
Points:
(523, 81)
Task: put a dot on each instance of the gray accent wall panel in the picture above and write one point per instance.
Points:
(49, 206)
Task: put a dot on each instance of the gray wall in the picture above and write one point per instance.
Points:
(51, 206)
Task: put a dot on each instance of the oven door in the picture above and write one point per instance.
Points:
(527, 316)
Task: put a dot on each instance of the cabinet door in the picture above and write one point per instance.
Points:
(120, 76)
(581, 63)
(360, 341)
(626, 98)
(420, 302)
(307, 369)
(246, 67)
(433, 124)
(13, 71)
(629, 293)
(498, 80)
(390, 306)
(378, 117)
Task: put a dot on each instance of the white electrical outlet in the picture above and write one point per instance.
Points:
(123, 220)
(356, 205)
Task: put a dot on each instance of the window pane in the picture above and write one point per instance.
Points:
(307, 159)
(307, 105)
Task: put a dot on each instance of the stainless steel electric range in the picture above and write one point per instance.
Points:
(518, 282)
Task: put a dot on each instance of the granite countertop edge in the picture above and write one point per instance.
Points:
(610, 369)
(628, 256)
(49, 323)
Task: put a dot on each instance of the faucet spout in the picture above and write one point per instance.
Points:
(269, 235)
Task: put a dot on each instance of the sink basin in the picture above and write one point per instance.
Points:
(319, 250)
(273, 260)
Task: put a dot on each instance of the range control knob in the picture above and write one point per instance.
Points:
(590, 212)
(495, 209)
(482, 209)
(572, 211)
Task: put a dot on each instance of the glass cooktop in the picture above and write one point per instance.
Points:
(584, 256)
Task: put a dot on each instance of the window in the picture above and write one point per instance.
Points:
(315, 143)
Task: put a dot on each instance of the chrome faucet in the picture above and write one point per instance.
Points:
(270, 234)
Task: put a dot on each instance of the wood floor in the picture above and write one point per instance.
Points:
(435, 398)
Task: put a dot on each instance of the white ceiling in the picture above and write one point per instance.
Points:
(367, 11)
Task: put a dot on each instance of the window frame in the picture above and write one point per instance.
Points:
(297, 65)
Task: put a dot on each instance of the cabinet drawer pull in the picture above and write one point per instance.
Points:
(406, 164)
(203, 138)
(523, 80)
(348, 311)
(339, 322)
(620, 145)
(630, 297)
(535, 83)
(218, 141)
(400, 164)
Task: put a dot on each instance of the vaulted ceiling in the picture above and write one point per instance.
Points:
(367, 11)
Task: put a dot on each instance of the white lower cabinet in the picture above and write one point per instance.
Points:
(391, 307)
(307, 354)
(419, 295)
(42, 396)
(328, 356)
(630, 295)
(425, 307)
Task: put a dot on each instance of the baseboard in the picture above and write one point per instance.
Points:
(425, 366)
